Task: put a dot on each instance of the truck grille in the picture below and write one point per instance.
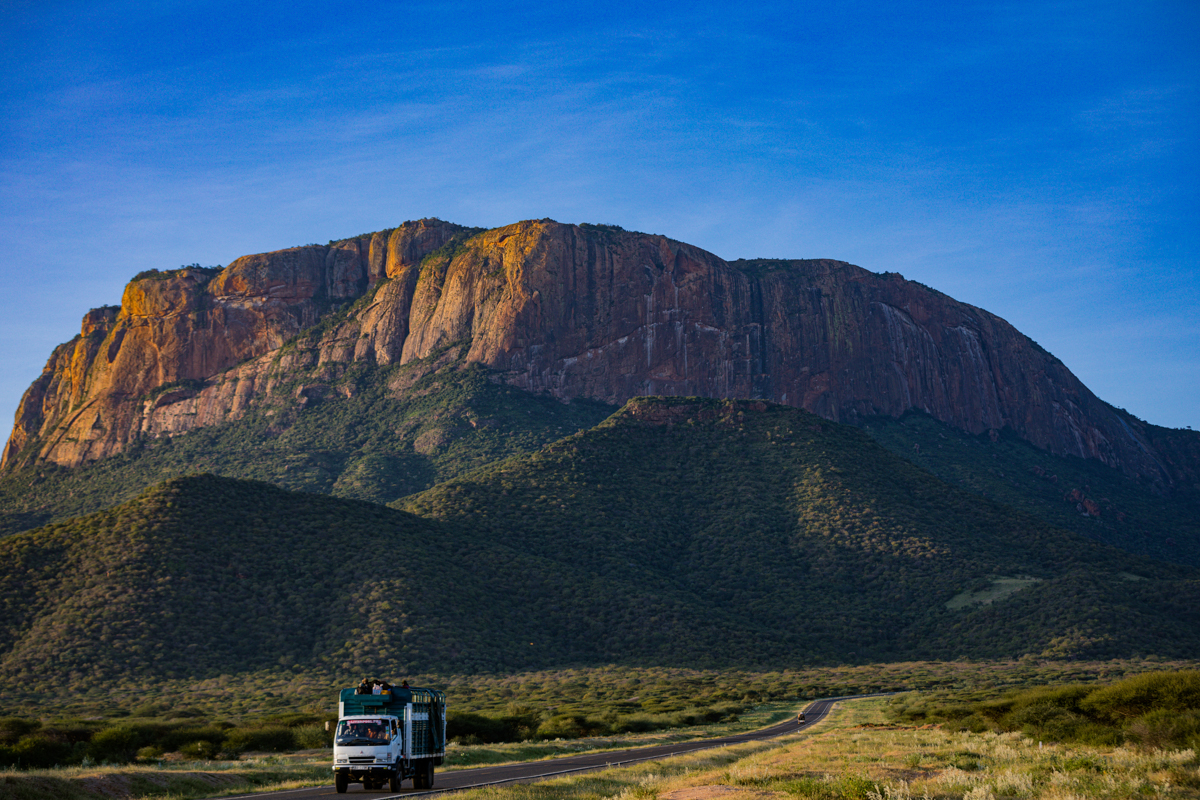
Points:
(362, 759)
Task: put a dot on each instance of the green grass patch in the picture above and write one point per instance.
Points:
(1000, 589)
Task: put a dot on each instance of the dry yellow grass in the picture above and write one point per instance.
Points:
(856, 755)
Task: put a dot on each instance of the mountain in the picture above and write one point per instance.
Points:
(574, 311)
(390, 432)
(699, 532)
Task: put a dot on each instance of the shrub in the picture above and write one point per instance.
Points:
(271, 738)
(1141, 694)
(13, 728)
(1065, 697)
(116, 745)
(150, 752)
(174, 736)
(520, 725)
(1164, 728)
(571, 726)
(37, 751)
(199, 749)
(312, 737)
(1045, 721)
(636, 723)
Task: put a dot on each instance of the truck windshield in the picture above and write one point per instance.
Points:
(363, 731)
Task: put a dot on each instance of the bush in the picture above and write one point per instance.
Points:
(520, 725)
(1139, 695)
(571, 726)
(1045, 721)
(174, 736)
(976, 723)
(1065, 697)
(636, 723)
(1164, 728)
(271, 738)
(199, 749)
(37, 751)
(13, 728)
(312, 737)
(150, 752)
(115, 745)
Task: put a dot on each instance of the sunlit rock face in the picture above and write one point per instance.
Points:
(576, 311)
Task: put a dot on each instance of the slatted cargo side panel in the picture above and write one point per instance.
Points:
(420, 730)
(428, 729)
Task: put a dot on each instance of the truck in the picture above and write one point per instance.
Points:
(383, 739)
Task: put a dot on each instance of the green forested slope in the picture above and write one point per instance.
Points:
(678, 532)
(795, 524)
(1082, 495)
(378, 443)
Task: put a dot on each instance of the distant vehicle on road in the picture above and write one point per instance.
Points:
(800, 717)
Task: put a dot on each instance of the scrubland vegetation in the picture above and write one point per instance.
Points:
(860, 755)
(1130, 738)
(549, 592)
(1155, 710)
(1081, 495)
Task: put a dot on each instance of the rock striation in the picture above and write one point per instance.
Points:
(576, 311)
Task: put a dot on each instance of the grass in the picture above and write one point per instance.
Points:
(180, 781)
(197, 779)
(858, 755)
(1000, 588)
(466, 756)
(855, 753)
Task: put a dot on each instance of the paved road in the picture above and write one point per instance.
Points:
(535, 770)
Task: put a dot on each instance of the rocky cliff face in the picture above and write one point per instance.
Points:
(587, 311)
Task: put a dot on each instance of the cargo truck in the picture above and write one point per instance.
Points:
(382, 739)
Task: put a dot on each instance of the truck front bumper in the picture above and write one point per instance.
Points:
(357, 771)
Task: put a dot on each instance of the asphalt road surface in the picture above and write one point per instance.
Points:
(537, 770)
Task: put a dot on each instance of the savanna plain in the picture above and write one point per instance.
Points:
(975, 730)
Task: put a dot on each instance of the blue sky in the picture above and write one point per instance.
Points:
(1039, 160)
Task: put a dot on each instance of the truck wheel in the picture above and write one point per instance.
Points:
(419, 776)
(429, 773)
(339, 782)
(394, 782)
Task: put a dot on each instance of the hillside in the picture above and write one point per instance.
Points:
(793, 523)
(677, 532)
(384, 433)
(1078, 494)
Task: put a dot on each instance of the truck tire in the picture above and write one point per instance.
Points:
(340, 781)
(394, 782)
(419, 775)
(429, 773)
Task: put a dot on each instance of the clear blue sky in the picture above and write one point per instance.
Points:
(1038, 159)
